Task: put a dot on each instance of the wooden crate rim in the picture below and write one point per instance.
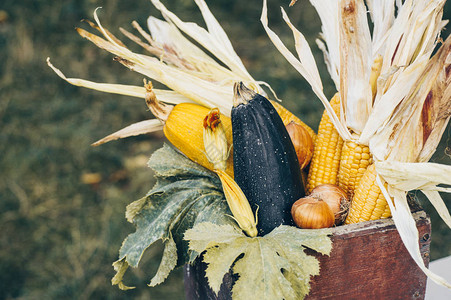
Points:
(382, 224)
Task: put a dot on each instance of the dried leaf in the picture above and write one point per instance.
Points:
(214, 40)
(328, 13)
(419, 118)
(142, 127)
(120, 267)
(405, 224)
(413, 34)
(122, 89)
(385, 104)
(436, 111)
(172, 41)
(167, 264)
(206, 93)
(412, 176)
(383, 15)
(355, 64)
(304, 70)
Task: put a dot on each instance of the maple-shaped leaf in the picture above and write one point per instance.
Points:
(185, 194)
(271, 267)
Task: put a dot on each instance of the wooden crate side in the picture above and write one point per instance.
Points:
(369, 261)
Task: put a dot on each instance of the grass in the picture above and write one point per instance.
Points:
(59, 234)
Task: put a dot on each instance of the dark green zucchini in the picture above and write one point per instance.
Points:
(264, 160)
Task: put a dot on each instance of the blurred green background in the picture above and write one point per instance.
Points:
(62, 202)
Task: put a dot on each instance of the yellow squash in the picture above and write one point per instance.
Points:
(184, 129)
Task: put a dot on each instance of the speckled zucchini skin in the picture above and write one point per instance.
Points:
(265, 163)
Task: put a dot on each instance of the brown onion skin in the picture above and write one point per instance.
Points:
(312, 213)
(335, 197)
(302, 142)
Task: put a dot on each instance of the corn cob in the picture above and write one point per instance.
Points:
(327, 151)
(354, 161)
(368, 203)
(288, 117)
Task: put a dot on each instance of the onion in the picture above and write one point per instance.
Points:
(302, 142)
(335, 197)
(311, 213)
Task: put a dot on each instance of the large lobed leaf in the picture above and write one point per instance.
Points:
(185, 194)
(274, 266)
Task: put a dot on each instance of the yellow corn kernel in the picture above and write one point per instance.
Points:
(354, 161)
(327, 151)
(368, 203)
(288, 117)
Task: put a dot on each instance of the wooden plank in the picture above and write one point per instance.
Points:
(368, 261)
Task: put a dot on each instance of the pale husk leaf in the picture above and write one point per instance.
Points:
(212, 81)
(411, 176)
(206, 93)
(439, 100)
(414, 33)
(122, 89)
(405, 224)
(142, 127)
(167, 36)
(386, 103)
(328, 13)
(355, 64)
(214, 40)
(383, 15)
(420, 117)
(304, 53)
(302, 68)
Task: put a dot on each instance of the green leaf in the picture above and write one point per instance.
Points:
(185, 194)
(274, 266)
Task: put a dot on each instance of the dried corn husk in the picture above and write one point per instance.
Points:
(122, 89)
(382, 14)
(401, 107)
(425, 110)
(330, 35)
(402, 177)
(305, 65)
(175, 61)
(355, 64)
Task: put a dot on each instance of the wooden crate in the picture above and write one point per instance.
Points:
(368, 261)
